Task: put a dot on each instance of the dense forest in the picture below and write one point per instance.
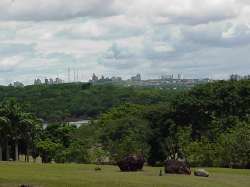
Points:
(76, 101)
(208, 125)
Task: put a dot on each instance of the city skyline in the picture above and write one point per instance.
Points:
(75, 76)
(121, 38)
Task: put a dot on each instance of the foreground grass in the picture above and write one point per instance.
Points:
(67, 175)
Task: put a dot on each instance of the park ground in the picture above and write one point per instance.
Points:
(77, 175)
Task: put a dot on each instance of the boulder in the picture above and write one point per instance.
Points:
(177, 167)
(131, 163)
(201, 173)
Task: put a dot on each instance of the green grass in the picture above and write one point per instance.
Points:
(76, 175)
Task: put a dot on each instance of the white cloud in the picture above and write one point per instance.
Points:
(185, 12)
(41, 10)
(222, 35)
(9, 63)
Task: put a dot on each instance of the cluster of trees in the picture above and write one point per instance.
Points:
(208, 125)
(60, 142)
(22, 133)
(18, 131)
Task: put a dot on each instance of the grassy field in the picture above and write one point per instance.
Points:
(62, 175)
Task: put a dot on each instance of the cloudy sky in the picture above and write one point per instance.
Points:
(198, 38)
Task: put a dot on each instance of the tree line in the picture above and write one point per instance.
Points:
(74, 101)
(208, 125)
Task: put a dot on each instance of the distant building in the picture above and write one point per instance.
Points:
(167, 77)
(116, 79)
(18, 84)
(102, 78)
(235, 77)
(51, 81)
(246, 77)
(94, 78)
(136, 78)
(46, 81)
(37, 82)
(58, 81)
(180, 76)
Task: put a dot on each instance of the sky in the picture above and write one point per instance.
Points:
(197, 38)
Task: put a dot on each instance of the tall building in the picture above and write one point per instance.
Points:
(246, 77)
(94, 78)
(235, 77)
(51, 81)
(58, 81)
(69, 74)
(46, 81)
(102, 78)
(37, 82)
(180, 77)
(136, 78)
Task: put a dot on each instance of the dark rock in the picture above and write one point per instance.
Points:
(131, 163)
(177, 167)
(201, 173)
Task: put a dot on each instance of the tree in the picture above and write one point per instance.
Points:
(31, 133)
(20, 127)
(234, 146)
(4, 128)
(123, 126)
(48, 149)
(60, 133)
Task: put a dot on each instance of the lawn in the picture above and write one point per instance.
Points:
(76, 175)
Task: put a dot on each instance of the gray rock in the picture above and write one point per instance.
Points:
(201, 173)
